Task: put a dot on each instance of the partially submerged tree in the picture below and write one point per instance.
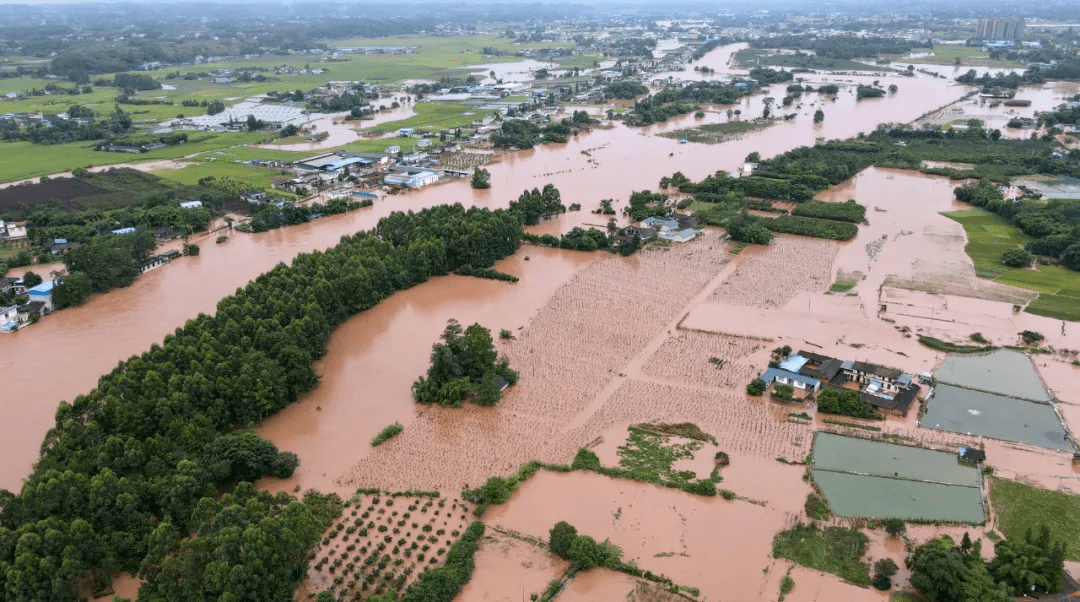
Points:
(465, 364)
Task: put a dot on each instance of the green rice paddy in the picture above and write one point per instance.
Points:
(989, 235)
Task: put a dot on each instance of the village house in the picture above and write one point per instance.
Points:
(43, 294)
(59, 246)
(410, 177)
(145, 265)
(11, 286)
(888, 389)
(14, 233)
(785, 377)
(9, 319)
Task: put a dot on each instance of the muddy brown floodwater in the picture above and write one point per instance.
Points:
(601, 342)
(67, 352)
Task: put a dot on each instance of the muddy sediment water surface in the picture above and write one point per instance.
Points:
(602, 342)
(69, 350)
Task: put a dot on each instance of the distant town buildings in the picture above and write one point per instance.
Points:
(1001, 29)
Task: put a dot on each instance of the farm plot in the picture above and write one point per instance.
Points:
(884, 480)
(961, 410)
(1002, 372)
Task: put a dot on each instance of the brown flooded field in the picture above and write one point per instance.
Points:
(602, 342)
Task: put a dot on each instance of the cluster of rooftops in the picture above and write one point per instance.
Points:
(880, 386)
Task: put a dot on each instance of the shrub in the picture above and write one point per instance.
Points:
(785, 392)
(756, 387)
(387, 433)
(585, 459)
(561, 536)
(1017, 258)
(895, 527)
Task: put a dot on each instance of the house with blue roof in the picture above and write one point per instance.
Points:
(43, 293)
(785, 377)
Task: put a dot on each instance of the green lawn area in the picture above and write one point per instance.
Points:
(27, 160)
(1020, 507)
(253, 176)
(749, 58)
(947, 55)
(835, 550)
(379, 145)
(434, 116)
(990, 235)
(583, 61)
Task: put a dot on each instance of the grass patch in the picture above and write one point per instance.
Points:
(648, 456)
(1021, 507)
(843, 285)
(388, 432)
(47, 159)
(904, 597)
(748, 58)
(969, 56)
(738, 248)
(835, 550)
(946, 347)
(716, 133)
(433, 116)
(816, 508)
(989, 235)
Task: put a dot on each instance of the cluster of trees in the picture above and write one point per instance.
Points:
(214, 107)
(749, 229)
(132, 82)
(271, 216)
(645, 203)
(945, 572)
(676, 180)
(62, 130)
(625, 90)
(103, 263)
(1011, 80)
(149, 443)
(582, 550)
(1054, 225)
(849, 211)
(862, 92)
(837, 47)
(672, 102)
(464, 366)
(808, 226)
(523, 134)
(577, 239)
(535, 205)
(845, 403)
(481, 178)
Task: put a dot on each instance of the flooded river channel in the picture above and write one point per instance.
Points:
(374, 356)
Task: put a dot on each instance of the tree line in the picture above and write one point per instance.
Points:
(155, 440)
(1054, 225)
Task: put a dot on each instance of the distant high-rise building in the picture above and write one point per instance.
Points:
(1001, 29)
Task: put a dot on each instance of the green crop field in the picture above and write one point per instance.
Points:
(748, 58)
(970, 56)
(1020, 507)
(434, 116)
(256, 177)
(29, 160)
(990, 235)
